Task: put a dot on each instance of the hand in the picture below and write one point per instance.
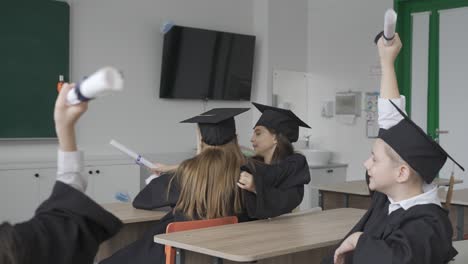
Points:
(160, 168)
(246, 182)
(388, 54)
(349, 244)
(65, 117)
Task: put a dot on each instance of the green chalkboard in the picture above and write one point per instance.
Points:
(34, 51)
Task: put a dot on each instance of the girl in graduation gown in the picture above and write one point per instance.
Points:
(405, 223)
(273, 181)
(67, 227)
(203, 187)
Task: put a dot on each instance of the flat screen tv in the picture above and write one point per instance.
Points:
(206, 64)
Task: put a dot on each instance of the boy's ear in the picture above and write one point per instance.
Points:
(404, 173)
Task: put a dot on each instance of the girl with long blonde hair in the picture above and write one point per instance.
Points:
(202, 187)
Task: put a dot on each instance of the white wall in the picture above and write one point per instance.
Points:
(129, 38)
(281, 30)
(332, 40)
(126, 34)
(288, 35)
(340, 54)
(262, 73)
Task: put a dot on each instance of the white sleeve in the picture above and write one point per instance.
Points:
(388, 115)
(70, 169)
(150, 178)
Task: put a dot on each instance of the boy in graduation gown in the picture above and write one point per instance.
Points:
(68, 227)
(405, 223)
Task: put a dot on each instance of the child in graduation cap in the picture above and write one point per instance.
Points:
(67, 227)
(273, 180)
(203, 187)
(405, 223)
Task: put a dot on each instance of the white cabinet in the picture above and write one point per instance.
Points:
(106, 181)
(23, 190)
(331, 173)
(325, 175)
(46, 182)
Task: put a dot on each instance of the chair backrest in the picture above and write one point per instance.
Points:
(448, 198)
(189, 225)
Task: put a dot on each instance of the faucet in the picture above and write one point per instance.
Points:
(307, 137)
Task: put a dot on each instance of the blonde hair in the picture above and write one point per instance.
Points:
(208, 182)
(397, 160)
(393, 155)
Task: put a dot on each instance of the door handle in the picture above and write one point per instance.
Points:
(439, 131)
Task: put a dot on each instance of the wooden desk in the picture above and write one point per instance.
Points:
(459, 203)
(353, 194)
(136, 222)
(462, 248)
(303, 237)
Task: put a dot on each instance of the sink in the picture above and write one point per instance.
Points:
(316, 157)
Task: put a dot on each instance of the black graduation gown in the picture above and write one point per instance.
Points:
(145, 250)
(153, 196)
(279, 186)
(66, 228)
(422, 234)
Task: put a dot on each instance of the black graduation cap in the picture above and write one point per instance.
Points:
(217, 126)
(283, 121)
(418, 149)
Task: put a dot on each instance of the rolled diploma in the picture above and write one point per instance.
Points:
(102, 82)
(389, 26)
(138, 158)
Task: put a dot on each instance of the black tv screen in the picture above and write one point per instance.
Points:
(206, 64)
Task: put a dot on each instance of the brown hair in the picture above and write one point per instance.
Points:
(208, 182)
(283, 148)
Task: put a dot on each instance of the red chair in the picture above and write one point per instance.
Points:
(189, 225)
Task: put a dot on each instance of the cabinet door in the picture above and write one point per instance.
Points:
(327, 175)
(106, 181)
(307, 199)
(46, 181)
(19, 192)
(320, 176)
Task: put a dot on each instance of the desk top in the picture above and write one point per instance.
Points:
(360, 187)
(128, 214)
(262, 239)
(460, 197)
(350, 187)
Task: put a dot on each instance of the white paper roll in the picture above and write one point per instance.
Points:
(138, 158)
(102, 82)
(389, 26)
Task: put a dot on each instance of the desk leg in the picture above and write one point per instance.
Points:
(346, 200)
(460, 222)
(217, 260)
(321, 199)
(179, 258)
